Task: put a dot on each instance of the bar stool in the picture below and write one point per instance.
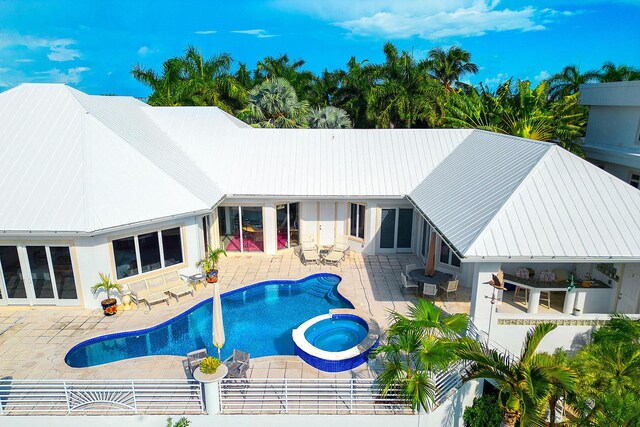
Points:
(526, 294)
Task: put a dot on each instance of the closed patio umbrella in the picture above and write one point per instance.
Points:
(430, 268)
(218, 326)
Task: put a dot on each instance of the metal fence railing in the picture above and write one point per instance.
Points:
(96, 397)
(308, 396)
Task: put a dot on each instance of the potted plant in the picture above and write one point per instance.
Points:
(108, 304)
(209, 262)
(210, 370)
(210, 365)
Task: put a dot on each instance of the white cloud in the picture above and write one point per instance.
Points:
(4, 69)
(71, 76)
(25, 60)
(62, 54)
(146, 50)
(59, 49)
(258, 32)
(478, 19)
(497, 80)
(205, 32)
(542, 75)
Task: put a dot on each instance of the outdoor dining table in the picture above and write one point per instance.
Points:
(421, 277)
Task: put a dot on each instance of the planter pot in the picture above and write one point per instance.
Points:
(109, 306)
(212, 276)
(220, 373)
(577, 312)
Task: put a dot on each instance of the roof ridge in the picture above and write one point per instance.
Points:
(553, 148)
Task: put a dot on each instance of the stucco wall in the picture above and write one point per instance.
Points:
(615, 126)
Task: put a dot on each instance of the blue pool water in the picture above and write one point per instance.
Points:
(337, 333)
(257, 319)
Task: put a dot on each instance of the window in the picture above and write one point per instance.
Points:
(287, 225)
(635, 180)
(63, 272)
(447, 256)
(356, 220)
(40, 274)
(11, 272)
(147, 252)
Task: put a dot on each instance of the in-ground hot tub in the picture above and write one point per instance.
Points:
(338, 341)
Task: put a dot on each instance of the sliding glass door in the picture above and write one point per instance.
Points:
(287, 228)
(396, 230)
(236, 238)
(37, 275)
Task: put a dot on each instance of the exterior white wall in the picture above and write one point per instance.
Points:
(450, 412)
(613, 125)
(481, 308)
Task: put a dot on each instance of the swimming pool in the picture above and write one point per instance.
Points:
(257, 319)
(337, 333)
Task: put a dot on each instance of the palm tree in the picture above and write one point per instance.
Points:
(525, 110)
(328, 118)
(449, 66)
(164, 86)
(354, 86)
(274, 104)
(417, 345)
(324, 88)
(558, 392)
(525, 384)
(281, 67)
(617, 73)
(474, 109)
(404, 93)
(568, 81)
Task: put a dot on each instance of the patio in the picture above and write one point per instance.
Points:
(34, 341)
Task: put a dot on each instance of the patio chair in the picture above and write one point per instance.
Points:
(516, 294)
(430, 291)
(333, 257)
(409, 268)
(309, 252)
(449, 287)
(238, 364)
(407, 283)
(342, 245)
(194, 358)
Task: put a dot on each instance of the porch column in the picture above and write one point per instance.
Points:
(569, 302)
(534, 301)
(481, 293)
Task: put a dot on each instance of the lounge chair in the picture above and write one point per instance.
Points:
(407, 283)
(176, 286)
(342, 245)
(238, 364)
(141, 292)
(309, 253)
(194, 358)
(333, 257)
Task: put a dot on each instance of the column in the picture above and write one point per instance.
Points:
(534, 301)
(481, 293)
(569, 302)
(211, 388)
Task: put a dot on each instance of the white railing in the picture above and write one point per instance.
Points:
(95, 397)
(308, 396)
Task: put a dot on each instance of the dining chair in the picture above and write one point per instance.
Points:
(407, 283)
(409, 268)
(430, 291)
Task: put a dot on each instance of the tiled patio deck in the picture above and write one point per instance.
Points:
(34, 341)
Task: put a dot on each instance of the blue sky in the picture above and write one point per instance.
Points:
(92, 45)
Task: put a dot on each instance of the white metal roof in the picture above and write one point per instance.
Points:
(314, 162)
(80, 163)
(501, 197)
(70, 162)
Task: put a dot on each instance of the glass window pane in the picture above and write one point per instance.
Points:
(444, 252)
(405, 228)
(282, 222)
(361, 221)
(387, 228)
(294, 230)
(252, 232)
(63, 272)
(353, 219)
(171, 246)
(40, 274)
(124, 253)
(205, 233)
(455, 261)
(229, 226)
(149, 252)
(11, 272)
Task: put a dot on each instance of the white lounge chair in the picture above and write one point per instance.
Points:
(333, 257)
(407, 283)
(309, 252)
(341, 245)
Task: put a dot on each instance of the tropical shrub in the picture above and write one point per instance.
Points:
(484, 412)
(210, 365)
